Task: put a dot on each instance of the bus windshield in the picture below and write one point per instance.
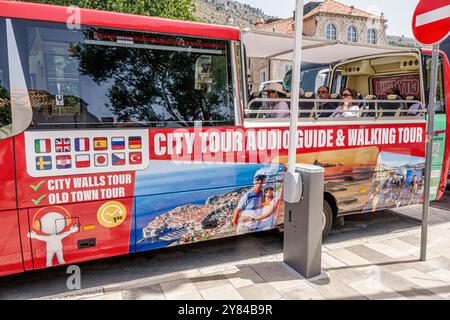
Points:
(100, 78)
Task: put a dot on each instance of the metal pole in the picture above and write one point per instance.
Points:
(429, 148)
(295, 86)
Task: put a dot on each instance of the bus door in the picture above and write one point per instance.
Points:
(440, 155)
(10, 246)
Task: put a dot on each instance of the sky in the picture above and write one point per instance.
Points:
(398, 12)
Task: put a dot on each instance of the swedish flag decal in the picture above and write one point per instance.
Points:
(43, 163)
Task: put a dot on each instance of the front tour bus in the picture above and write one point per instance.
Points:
(122, 134)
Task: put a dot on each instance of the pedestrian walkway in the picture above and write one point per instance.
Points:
(360, 261)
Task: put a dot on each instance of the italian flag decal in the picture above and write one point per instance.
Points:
(42, 146)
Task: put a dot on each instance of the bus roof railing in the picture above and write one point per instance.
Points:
(367, 108)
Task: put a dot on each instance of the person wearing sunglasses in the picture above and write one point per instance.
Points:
(323, 93)
(349, 108)
(276, 91)
(249, 207)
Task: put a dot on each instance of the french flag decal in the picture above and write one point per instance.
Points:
(82, 144)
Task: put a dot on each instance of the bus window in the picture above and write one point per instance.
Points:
(312, 77)
(5, 107)
(103, 78)
(440, 94)
(339, 82)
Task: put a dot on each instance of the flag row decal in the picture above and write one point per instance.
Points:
(84, 160)
(64, 145)
(71, 152)
(80, 145)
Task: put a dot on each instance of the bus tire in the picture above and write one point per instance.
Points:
(327, 219)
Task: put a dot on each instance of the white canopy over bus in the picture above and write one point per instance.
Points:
(271, 45)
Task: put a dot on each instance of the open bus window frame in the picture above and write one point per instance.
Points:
(5, 98)
(441, 83)
(224, 106)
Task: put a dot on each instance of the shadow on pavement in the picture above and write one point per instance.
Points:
(164, 262)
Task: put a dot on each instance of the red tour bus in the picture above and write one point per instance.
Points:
(122, 134)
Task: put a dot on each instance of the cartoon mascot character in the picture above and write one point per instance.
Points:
(50, 227)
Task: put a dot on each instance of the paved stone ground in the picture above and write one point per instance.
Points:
(371, 257)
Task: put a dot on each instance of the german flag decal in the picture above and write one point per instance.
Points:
(135, 142)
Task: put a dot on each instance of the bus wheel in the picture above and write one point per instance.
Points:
(327, 219)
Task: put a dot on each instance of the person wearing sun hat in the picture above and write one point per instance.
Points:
(276, 91)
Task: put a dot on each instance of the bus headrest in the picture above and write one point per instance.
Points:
(410, 98)
(309, 95)
(334, 96)
(370, 97)
(392, 97)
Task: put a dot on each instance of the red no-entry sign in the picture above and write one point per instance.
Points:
(431, 25)
(431, 21)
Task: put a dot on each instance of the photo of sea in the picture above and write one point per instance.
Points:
(173, 198)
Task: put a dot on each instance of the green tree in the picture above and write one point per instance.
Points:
(172, 9)
(5, 108)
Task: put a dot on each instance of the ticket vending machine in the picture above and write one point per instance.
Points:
(303, 195)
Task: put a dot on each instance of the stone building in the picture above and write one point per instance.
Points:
(329, 20)
(333, 20)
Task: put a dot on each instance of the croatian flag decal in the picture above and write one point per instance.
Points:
(63, 162)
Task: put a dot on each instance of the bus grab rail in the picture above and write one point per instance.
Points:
(364, 109)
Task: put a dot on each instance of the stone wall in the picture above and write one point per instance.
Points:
(275, 71)
(342, 23)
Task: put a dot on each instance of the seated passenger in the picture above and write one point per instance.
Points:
(395, 91)
(393, 94)
(276, 91)
(348, 108)
(324, 94)
(414, 109)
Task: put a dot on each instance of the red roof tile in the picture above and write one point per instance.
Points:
(328, 6)
(331, 6)
(279, 26)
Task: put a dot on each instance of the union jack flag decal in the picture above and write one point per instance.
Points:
(62, 145)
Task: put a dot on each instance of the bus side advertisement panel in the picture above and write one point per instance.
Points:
(203, 183)
(162, 187)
